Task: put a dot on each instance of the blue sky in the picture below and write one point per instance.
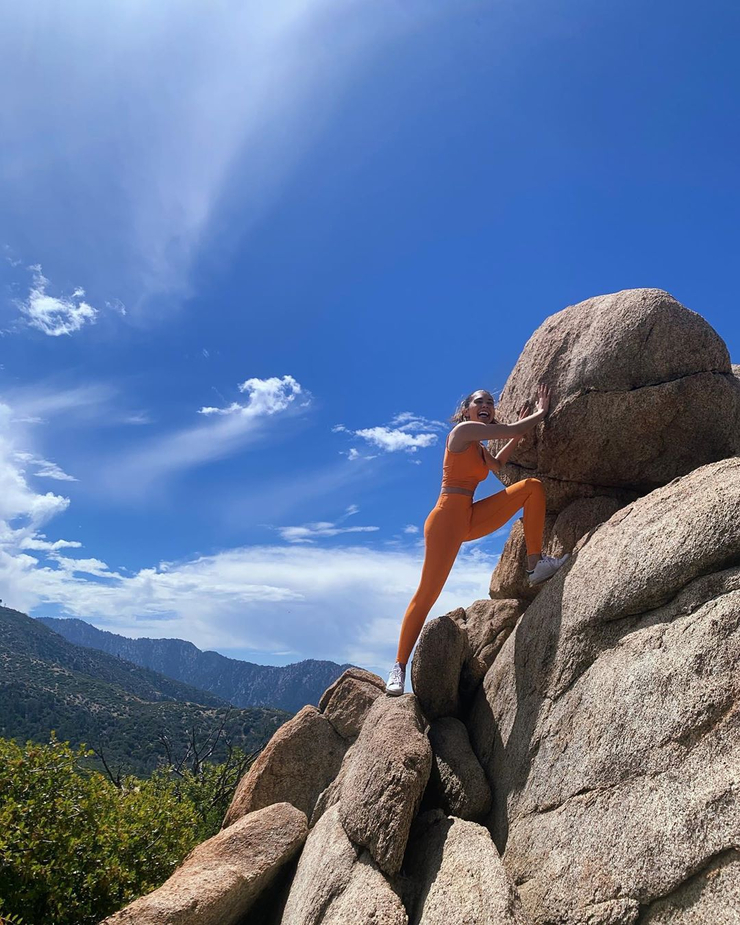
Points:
(253, 254)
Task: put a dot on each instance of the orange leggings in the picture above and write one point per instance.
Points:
(455, 520)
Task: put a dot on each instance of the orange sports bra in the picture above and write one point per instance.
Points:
(464, 469)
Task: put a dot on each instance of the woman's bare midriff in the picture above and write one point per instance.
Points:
(451, 490)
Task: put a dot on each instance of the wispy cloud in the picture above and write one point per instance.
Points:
(221, 432)
(54, 315)
(44, 468)
(292, 596)
(186, 133)
(260, 599)
(308, 533)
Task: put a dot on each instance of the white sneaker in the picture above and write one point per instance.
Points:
(546, 568)
(396, 680)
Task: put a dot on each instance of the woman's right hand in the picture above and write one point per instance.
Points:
(543, 398)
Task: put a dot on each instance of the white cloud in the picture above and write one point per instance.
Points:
(343, 603)
(38, 541)
(406, 433)
(22, 510)
(265, 396)
(55, 315)
(393, 441)
(309, 532)
(410, 528)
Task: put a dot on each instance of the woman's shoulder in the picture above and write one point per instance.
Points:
(460, 437)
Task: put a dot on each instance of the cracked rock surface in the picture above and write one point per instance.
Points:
(456, 876)
(298, 763)
(610, 721)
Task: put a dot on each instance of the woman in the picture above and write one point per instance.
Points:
(457, 518)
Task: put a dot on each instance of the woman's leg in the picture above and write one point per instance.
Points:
(444, 532)
(491, 513)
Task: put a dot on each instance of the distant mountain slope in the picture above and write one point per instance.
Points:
(241, 683)
(48, 683)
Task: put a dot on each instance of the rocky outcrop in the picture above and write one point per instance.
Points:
(456, 876)
(385, 780)
(610, 719)
(643, 391)
(300, 761)
(457, 783)
(218, 882)
(435, 670)
(347, 702)
(338, 884)
(595, 726)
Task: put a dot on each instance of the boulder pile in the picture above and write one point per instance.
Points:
(569, 758)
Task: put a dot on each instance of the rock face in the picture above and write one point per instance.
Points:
(337, 884)
(299, 761)
(435, 670)
(457, 877)
(487, 625)
(457, 783)
(219, 881)
(385, 781)
(643, 391)
(716, 889)
(610, 720)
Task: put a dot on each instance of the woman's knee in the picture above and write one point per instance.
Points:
(534, 486)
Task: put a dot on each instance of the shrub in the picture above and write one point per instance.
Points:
(75, 847)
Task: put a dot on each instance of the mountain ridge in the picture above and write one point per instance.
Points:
(86, 696)
(241, 683)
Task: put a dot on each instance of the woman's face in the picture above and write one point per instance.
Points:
(481, 408)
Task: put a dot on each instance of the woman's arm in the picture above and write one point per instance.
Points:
(467, 432)
(502, 457)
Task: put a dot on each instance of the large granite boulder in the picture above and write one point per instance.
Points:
(457, 783)
(562, 533)
(337, 883)
(347, 702)
(455, 876)
(384, 783)
(220, 880)
(643, 391)
(487, 625)
(435, 670)
(610, 720)
(296, 765)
